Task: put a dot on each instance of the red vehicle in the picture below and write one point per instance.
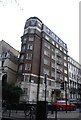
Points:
(61, 105)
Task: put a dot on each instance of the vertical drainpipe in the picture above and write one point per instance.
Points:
(55, 69)
(68, 92)
(38, 82)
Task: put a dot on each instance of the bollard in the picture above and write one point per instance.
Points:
(56, 113)
(41, 110)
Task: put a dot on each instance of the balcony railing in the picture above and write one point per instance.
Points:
(59, 55)
(59, 62)
(58, 79)
(21, 60)
(73, 89)
(58, 70)
(23, 42)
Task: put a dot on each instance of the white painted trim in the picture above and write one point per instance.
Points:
(31, 27)
(55, 41)
(34, 19)
(38, 76)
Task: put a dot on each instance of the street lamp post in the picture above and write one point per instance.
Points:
(42, 105)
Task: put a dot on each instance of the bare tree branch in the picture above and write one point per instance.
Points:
(4, 2)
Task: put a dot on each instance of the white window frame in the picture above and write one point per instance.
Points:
(46, 71)
(29, 56)
(30, 47)
(46, 53)
(28, 67)
(52, 73)
(31, 38)
(46, 62)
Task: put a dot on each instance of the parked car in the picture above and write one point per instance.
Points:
(61, 105)
(73, 101)
(76, 102)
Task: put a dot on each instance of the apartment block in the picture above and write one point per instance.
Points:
(42, 53)
(8, 62)
(74, 74)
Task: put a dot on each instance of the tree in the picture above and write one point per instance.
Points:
(11, 93)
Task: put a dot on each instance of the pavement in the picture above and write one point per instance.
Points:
(61, 115)
(74, 115)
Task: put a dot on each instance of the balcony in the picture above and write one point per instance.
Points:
(59, 55)
(58, 79)
(58, 70)
(73, 89)
(59, 62)
(20, 71)
(79, 90)
(22, 51)
(21, 60)
(23, 42)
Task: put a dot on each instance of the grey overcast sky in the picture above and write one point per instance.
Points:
(61, 16)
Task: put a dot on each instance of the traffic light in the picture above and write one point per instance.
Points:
(62, 86)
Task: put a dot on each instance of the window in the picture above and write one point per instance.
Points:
(53, 57)
(61, 48)
(53, 50)
(2, 63)
(70, 74)
(43, 93)
(65, 78)
(58, 67)
(47, 30)
(29, 56)
(30, 47)
(61, 77)
(24, 40)
(20, 67)
(27, 66)
(49, 82)
(53, 35)
(57, 51)
(58, 75)
(23, 48)
(26, 78)
(25, 31)
(56, 38)
(31, 38)
(65, 71)
(27, 24)
(52, 73)
(53, 42)
(47, 45)
(57, 45)
(65, 64)
(46, 37)
(57, 85)
(39, 25)
(46, 62)
(53, 65)
(33, 22)
(61, 69)
(22, 57)
(32, 30)
(65, 51)
(46, 71)
(64, 57)
(25, 90)
(46, 53)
